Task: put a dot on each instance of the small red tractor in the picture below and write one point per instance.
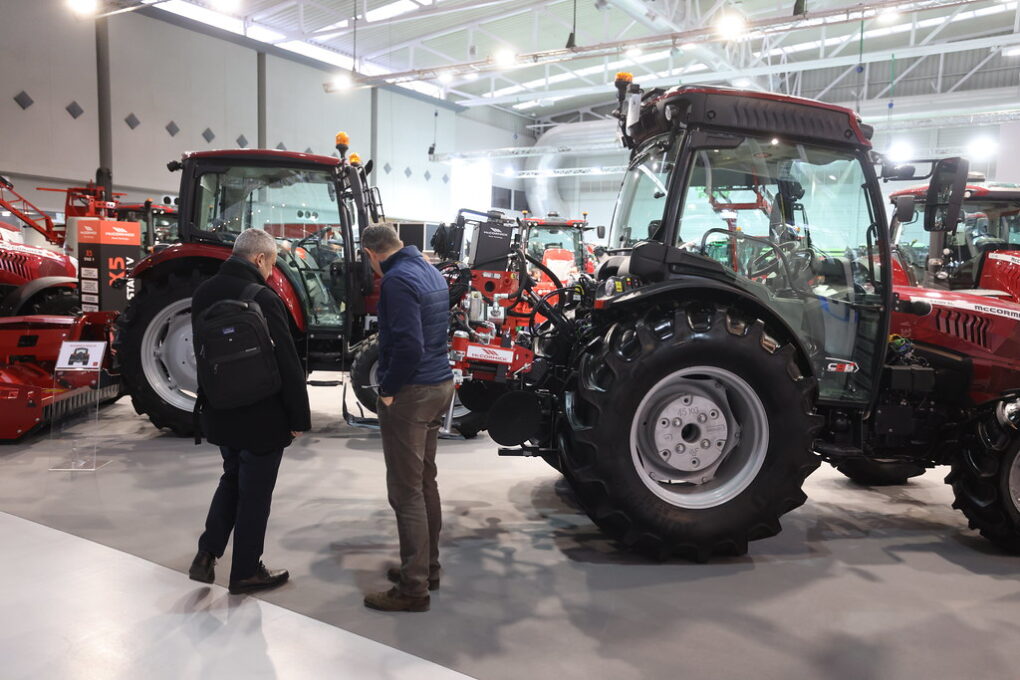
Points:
(33, 279)
(158, 220)
(981, 254)
(746, 327)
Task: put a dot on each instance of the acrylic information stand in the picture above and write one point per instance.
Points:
(74, 428)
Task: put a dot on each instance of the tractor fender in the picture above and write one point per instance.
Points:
(714, 291)
(208, 257)
(16, 299)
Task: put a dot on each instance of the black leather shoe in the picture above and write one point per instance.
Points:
(262, 580)
(393, 574)
(202, 567)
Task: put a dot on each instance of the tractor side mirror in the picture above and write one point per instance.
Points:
(600, 231)
(943, 203)
(905, 210)
(368, 167)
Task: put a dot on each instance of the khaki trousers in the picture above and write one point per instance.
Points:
(410, 432)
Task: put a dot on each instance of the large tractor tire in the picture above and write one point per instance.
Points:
(872, 472)
(986, 484)
(157, 359)
(365, 376)
(691, 432)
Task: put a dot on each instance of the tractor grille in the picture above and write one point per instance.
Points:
(15, 263)
(968, 327)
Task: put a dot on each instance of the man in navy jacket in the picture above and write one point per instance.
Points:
(415, 390)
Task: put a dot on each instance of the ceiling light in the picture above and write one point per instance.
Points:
(730, 25)
(982, 149)
(901, 151)
(633, 52)
(688, 46)
(775, 141)
(471, 76)
(83, 7)
(888, 16)
(508, 172)
(1011, 52)
(445, 77)
(342, 81)
(742, 82)
(505, 58)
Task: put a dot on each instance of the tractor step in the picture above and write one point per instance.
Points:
(526, 451)
(830, 451)
(324, 383)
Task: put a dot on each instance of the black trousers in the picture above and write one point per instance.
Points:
(241, 504)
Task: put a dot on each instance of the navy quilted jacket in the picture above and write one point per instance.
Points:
(414, 315)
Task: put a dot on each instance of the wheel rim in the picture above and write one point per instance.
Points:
(459, 410)
(699, 437)
(1014, 482)
(168, 356)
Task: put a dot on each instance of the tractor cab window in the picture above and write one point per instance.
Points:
(559, 248)
(795, 224)
(297, 206)
(642, 199)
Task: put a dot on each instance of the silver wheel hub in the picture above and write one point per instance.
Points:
(692, 433)
(168, 355)
(699, 437)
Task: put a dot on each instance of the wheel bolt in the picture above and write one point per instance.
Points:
(705, 443)
(702, 417)
(677, 422)
(680, 448)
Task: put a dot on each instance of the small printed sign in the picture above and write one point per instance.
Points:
(81, 356)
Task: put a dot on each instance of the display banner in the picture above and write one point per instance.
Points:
(107, 251)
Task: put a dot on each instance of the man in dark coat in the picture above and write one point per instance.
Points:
(251, 438)
(415, 391)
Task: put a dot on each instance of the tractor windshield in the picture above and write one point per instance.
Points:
(642, 200)
(296, 205)
(559, 248)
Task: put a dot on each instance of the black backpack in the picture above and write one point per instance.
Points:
(234, 353)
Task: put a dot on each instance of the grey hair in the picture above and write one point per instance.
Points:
(252, 242)
(381, 238)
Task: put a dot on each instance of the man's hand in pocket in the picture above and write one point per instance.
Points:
(386, 400)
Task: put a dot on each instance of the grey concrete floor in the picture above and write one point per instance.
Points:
(862, 583)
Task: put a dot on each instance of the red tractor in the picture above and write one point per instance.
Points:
(158, 220)
(319, 275)
(981, 254)
(33, 279)
(740, 334)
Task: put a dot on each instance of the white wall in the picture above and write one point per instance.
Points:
(50, 55)
(163, 72)
(301, 115)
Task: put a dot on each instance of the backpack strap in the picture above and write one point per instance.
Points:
(250, 291)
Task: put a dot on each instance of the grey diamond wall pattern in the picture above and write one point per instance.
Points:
(387, 168)
(407, 173)
(428, 175)
(132, 121)
(309, 150)
(446, 179)
(172, 129)
(24, 101)
(208, 135)
(242, 141)
(74, 109)
(281, 147)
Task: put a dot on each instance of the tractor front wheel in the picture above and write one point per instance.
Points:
(156, 354)
(986, 484)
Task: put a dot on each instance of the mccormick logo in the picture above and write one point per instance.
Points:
(841, 366)
(496, 354)
(1012, 259)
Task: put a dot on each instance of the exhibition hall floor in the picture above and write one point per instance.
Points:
(862, 583)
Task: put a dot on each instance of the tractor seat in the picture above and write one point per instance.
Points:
(983, 292)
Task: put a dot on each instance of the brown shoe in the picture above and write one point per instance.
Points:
(393, 574)
(393, 600)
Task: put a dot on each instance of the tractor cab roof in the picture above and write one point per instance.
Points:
(748, 112)
(264, 155)
(554, 222)
(984, 192)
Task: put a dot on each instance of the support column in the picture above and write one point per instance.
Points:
(374, 148)
(262, 142)
(1007, 163)
(104, 175)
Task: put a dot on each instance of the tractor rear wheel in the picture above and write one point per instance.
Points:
(157, 359)
(986, 484)
(364, 378)
(872, 472)
(691, 432)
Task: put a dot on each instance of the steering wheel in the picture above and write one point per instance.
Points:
(769, 261)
